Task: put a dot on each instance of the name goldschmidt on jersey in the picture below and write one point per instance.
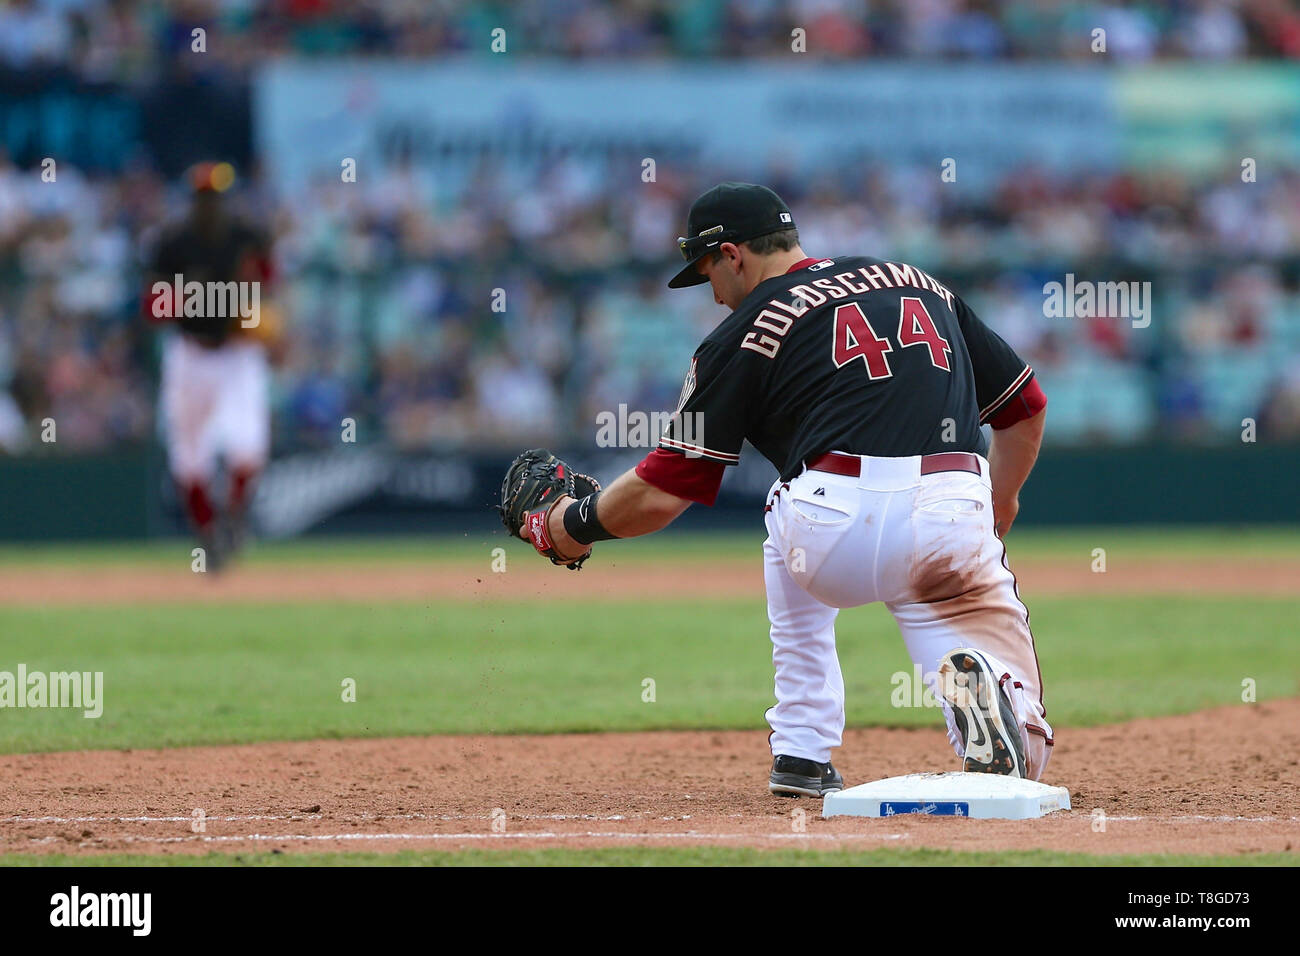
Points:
(775, 319)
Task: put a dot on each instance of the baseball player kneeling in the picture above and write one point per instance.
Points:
(865, 382)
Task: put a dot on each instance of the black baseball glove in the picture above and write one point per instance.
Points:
(535, 481)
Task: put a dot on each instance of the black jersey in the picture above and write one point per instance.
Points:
(223, 255)
(853, 354)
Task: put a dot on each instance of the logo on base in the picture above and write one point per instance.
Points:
(931, 809)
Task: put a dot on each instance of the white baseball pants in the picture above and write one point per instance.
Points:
(214, 402)
(922, 544)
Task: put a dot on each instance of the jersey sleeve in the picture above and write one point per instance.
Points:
(1004, 382)
(708, 429)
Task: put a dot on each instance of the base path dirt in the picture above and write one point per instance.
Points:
(1225, 781)
(532, 580)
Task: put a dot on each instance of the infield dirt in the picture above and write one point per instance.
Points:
(533, 580)
(1224, 781)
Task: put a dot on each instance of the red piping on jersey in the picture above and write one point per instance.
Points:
(1005, 395)
(1027, 403)
(802, 264)
(695, 479)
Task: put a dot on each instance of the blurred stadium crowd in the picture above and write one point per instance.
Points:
(389, 285)
(389, 295)
(121, 39)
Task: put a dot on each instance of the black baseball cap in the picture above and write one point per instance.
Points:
(729, 212)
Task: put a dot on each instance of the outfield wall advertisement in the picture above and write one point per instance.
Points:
(446, 117)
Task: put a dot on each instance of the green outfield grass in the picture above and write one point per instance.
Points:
(656, 856)
(193, 674)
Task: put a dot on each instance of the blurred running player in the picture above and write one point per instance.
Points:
(207, 280)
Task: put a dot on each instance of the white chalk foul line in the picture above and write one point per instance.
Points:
(186, 819)
(522, 835)
(349, 818)
(593, 817)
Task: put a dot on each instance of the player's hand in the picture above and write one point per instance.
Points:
(1004, 513)
(560, 540)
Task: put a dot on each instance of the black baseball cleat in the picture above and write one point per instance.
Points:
(233, 533)
(983, 713)
(797, 777)
(214, 550)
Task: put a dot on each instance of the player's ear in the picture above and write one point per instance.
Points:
(731, 252)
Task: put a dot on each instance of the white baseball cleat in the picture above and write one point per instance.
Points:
(983, 713)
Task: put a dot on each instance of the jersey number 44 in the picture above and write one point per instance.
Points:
(855, 338)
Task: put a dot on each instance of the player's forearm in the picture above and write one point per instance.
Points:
(631, 506)
(1012, 454)
(628, 508)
